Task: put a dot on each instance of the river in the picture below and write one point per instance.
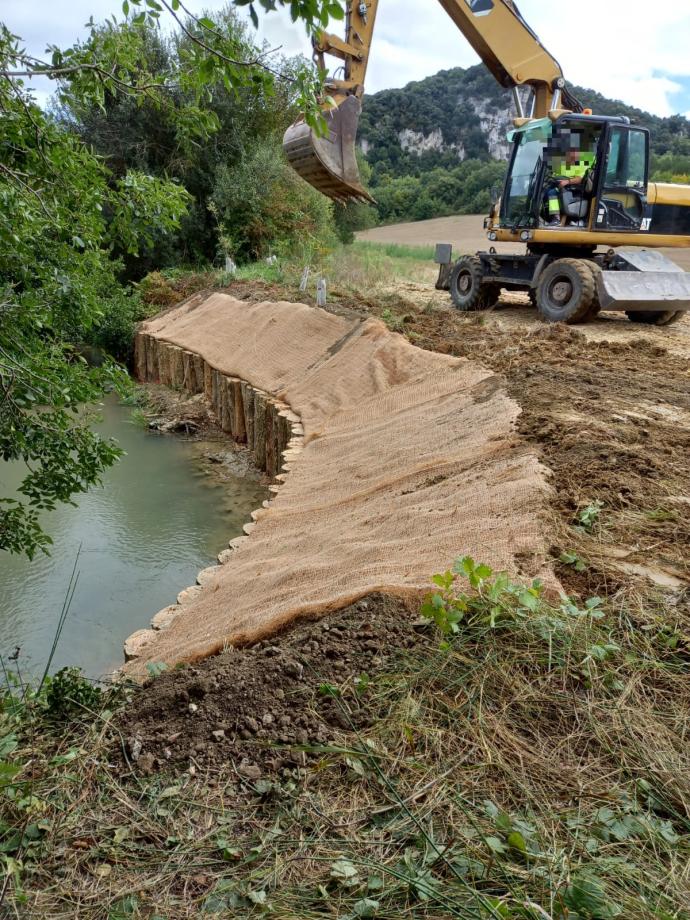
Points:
(137, 540)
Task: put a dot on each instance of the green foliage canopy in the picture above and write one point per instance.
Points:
(67, 220)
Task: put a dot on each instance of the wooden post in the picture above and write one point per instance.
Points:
(176, 367)
(188, 378)
(228, 420)
(163, 363)
(198, 374)
(248, 403)
(151, 365)
(208, 381)
(239, 428)
(271, 415)
(260, 430)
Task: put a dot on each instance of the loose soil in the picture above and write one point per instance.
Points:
(269, 709)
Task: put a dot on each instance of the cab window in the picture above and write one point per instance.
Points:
(626, 164)
(480, 7)
(624, 183)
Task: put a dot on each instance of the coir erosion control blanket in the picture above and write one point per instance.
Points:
(410, 459)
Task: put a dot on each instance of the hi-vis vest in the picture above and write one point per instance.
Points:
(563, 171)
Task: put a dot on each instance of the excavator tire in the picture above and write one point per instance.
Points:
(466, 289)
(566, 292)
(655, 317)
(595, 309)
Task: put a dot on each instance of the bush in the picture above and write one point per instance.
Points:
(114, 334)
(263, 207)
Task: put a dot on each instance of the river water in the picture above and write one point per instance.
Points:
(137, 540)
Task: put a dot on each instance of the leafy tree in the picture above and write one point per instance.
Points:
(131, 133)
(67, 221)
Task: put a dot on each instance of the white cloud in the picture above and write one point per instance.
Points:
(627, 49)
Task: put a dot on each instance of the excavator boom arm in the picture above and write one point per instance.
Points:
(494, 28)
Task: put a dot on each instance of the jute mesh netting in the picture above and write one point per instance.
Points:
(410, 459)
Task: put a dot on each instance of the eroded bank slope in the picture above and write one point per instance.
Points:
(409, 459)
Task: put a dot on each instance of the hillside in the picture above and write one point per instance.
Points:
(433, 145)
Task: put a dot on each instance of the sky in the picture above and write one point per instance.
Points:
(631, 50)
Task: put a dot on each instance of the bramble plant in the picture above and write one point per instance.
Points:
(496, 601)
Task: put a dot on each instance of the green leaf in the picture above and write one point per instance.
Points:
(495, 844)
(207, 23)
(121, 834)
(343, 871)
(587, 896)
(365, 908)
(253, 15)
(125, 7)
(517, 842)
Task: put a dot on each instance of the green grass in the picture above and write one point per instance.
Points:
(396, 251)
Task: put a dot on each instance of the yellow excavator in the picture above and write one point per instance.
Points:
(577, 185)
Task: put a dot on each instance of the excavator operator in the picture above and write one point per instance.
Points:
(568, 172)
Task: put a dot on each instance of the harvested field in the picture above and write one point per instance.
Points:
(466, 234)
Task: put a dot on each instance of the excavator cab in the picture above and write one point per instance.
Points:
(608, 155)
(544, 153)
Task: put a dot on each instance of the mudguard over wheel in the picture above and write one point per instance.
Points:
(466, 289)
(655, 317)
(566, 292)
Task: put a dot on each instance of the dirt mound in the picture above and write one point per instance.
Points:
(259, 709)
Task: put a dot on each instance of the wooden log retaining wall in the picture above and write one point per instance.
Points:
(250, 416)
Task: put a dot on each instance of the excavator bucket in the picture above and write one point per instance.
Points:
(329, 162)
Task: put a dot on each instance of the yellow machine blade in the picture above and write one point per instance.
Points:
(329, 163)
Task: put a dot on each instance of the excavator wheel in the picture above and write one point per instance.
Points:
(466, 289)
(595, 309)
(566, 292)
(655, 317)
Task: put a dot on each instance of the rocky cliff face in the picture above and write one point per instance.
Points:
(422, 120)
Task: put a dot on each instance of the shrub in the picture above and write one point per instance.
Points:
(263, 207)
